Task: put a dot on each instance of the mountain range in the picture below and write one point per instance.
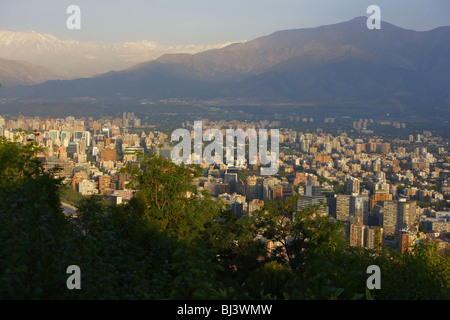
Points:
(70, 59)
(14, 73)
(333, 65)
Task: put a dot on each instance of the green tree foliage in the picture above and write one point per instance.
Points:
(166, 196)
(169, 242)
(420, 274)
(35, 235)
(232, 240)
(70, 196)
(300, 234)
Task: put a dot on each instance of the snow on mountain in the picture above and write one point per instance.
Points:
(73, 59)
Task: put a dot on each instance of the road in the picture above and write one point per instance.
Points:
(68, 209)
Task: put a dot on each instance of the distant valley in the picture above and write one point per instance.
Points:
(340, 65)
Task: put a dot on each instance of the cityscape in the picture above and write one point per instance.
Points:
(384, 190)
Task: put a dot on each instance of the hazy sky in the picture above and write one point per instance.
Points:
(174, 22)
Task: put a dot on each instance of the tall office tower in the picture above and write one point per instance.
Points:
(231, 179)
(398, 215)
(356, 235)
(267, 188)
(282, 191)
(351, 208)
(390, 216)
(83, 137)
(53, 134)
(364, 236)
(312, 196)
(353, 185)
(408, 215)
(305, 146)
(327, 147)
(253, 188)
(359, 209)
(72, 148)
(373, 237)
(342, 207)
(408, 239)
(97, 128)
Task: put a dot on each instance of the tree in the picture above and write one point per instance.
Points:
(169, 242)
(419, 274)
(339, 189)
(35, 235)
(298, 233)
(233, 241)
(166, 195)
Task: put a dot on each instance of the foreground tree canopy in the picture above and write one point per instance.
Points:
(169, 242)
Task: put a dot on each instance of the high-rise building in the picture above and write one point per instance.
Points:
(253, 188)
(267, 188)
(97, 128)
(385, 147)
(398, 215)
(72, 148)
(350, 208)
(342, 207)
(313, 196)
(282, 191)
(378, 198)
(313, 189)
(53, 134)
(353, 185)
(408, 239)
(381, 177)
(359, 209)
(108, 154)
(165, 151)
(373, 237)
(230, 178)
(105, 183)
(365, 236)
(356, 235)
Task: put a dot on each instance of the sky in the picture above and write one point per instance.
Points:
(182, 22)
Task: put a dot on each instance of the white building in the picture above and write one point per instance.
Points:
(87, 187)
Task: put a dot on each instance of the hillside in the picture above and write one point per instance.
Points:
(339, 64)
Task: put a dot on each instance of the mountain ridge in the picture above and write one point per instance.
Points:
(344, 63)
(24, 73)
(75, 59)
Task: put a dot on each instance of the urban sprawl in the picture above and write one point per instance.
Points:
(391, 192)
